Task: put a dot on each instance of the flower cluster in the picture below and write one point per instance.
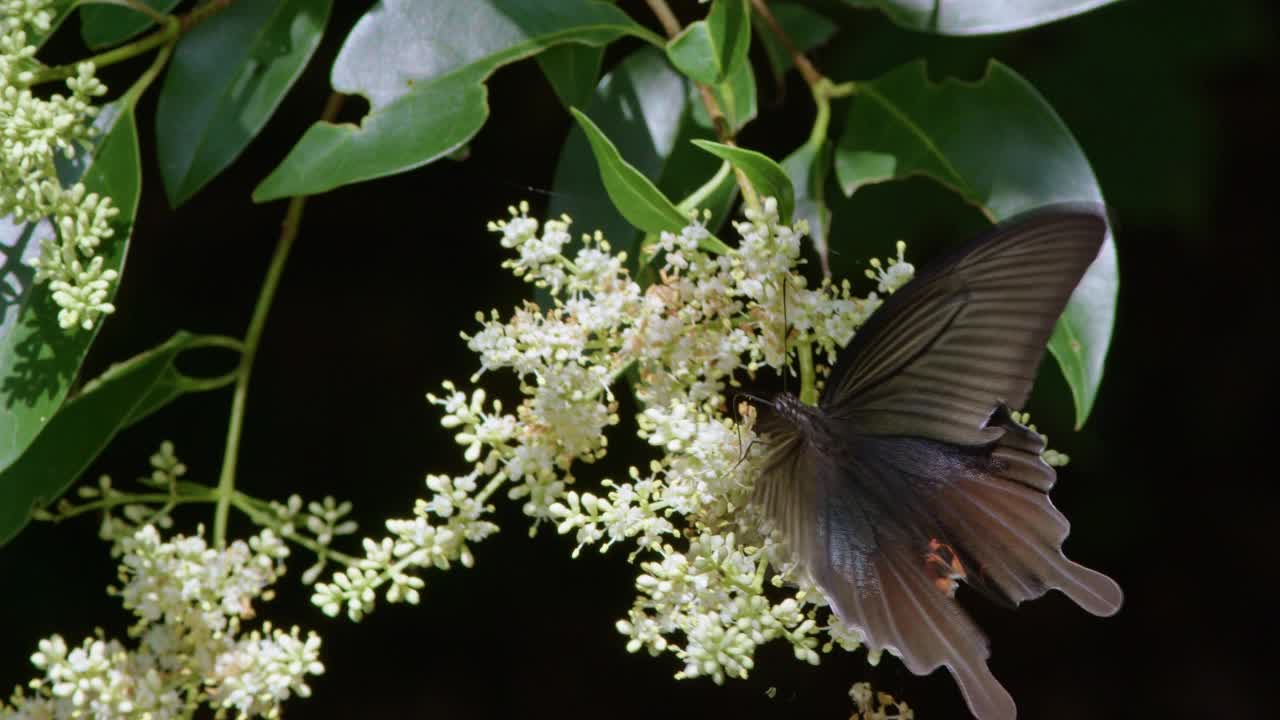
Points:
(705, 591)
(436, 536)
(191, 603)
(33, 131)
(711, 585)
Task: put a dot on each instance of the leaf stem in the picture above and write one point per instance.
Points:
(218, 341)
(204, 12)
(671, 26)
(120, 498)
(806, 68)
(227, 479)
(164, 36)
(135, 5)
(666, 18)
(167, 34)
(266, 518)
(288, 233)
(162, 58)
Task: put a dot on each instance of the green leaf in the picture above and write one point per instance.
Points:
(425, 86)
(643, 107)
(765, 175)
(711, 50)
(639, 201)
(105, 25)
(806, 28)
(79, 432)
(999, 145)
(38, 359)
(572, 70)
(808, 168)
(226, 79)
(737, 97)
(977, 17)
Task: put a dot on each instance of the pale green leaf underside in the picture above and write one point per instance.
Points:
(978, 17)
(1000, 145)
(423, 65)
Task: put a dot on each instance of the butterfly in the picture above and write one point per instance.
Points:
(911, 473)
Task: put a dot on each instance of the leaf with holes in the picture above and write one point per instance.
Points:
(426, 90)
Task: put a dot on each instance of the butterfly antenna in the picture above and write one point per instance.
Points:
(786, 359)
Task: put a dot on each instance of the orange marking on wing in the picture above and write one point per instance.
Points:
(944, 564)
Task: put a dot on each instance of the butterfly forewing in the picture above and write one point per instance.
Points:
(967, 336)
(912, 475)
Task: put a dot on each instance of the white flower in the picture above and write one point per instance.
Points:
(704, 555)
(191, 601)
(894, 274)
(33, 131)
(265, 669)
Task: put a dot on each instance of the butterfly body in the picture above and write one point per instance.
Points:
(911, 474)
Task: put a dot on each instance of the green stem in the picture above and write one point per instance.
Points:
(204, 12)
(118, 499)
(671, 26)
(227, 479)
(218, 341)
(266, 518)
(808, 378)
(153, 71)
(489, 488)
(165, 36)
(666, 18)
(134, 5)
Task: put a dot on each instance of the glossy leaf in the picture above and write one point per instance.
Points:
(711, 50)
(79, 432)
(808, 168)
(633, 194)
(643, 107)
(38, 359)
(226, 79)
(977, 17)
(806, 28)
(737, 98)
(765, 175)
(425, 87)
(999, 145)
(572, 70)
(104, 25)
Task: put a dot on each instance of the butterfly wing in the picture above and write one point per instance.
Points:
(911, 474)
(886, 525)
(966, 336)
(851, 518)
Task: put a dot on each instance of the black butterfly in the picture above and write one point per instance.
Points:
(911, 473)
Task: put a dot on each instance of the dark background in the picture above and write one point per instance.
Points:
(1168, 491)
